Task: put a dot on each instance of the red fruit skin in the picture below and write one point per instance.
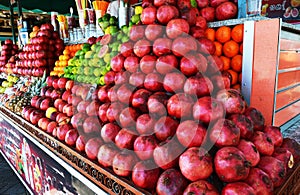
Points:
(177, 27)
(215, 3)
(197, 32)
(114, 110)
(80, 143)
(125, 93)
(136, 33)
(166, 64)
(232, 101)
(260, 181)
(275, 134)
(137, 79)
(144, 175)
(148, 15)
(256, 117)
(274, 168)
(159, 3)
(109, 132)
(106, 154)
(221, 81)
(123, 163)
(198, 85)
(165, 13)
(144, 146)
(206, 46)
(157, 103)
(102, 112)
(225, 133)
(184, 4)
(193, 63)
(162, 46)
(142, 47)
(231, 165)
(153, 31)
(174, 82)
(171, 181)
(165, 127)
(131, 63)
(140, 99)
(244, 124)
(153, 82)
(147, 64)
(117, 63)
(285, 156)
(195, 163)
(226, 10)
(202, 3)
(183, 45)
(92, 146)
(201, 187)
(208, 13)
(215, 64)
(208, 109)
(237, 188)
(293, 146)
(180, 105)
(190, 15)
(263, 143)
(145, 124)
(128, 117)
(250, 152)
(125, 138)
(166, 154)
(190, 133)
(126, 49)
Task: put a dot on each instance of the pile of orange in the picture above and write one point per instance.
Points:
(62, 62)
(229, 47)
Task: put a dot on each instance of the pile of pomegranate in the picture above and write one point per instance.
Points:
(41, 53)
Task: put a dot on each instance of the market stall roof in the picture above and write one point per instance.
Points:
(60, 6)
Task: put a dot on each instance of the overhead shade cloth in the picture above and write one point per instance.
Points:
(61, 6)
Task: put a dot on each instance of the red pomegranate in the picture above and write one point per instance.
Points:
(237, 188)
(171, 181)
(260, 181)
(231, 164)
(196, 163)
(285, 156)
(144, 146)
(106, 154)
(293, 146)
(274, 134)
(225, 133)
(256, 117)
(244, 124)
(200, 187)
(263, 143)
(232, 101)
(250, 151)
(274, 168)
(123, 162)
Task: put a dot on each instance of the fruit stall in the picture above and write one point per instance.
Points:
(178, 97)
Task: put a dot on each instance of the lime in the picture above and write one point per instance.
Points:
(78, 53)
(107, 58)
(88, 54)
(114, 30)
(105, 17)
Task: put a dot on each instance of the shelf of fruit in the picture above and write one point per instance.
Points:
(155, 108)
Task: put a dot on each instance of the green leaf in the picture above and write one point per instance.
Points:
(194, 3)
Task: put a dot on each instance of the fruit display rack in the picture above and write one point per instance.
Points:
(104, 179)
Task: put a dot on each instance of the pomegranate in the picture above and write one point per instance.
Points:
(165, 127)
(159, 3)
(202, 3)
(177, 27)
(208, 109)
(144, 146)
(136, 32)
(144, 175)
(190, 15)
(148, 15)
(263, 143)
(147, 64)
(145, 124)
(250, 151)
(285, 156)
(92, 146)
(180, 105)
(232, 101)
(206, 46)
(274, 168)
(153, 31)
(226, 10)
(106, 154)
(166, 13)
(231, 164)
(190, 133)
(128, 117)
(197, 32)
(201, 187)
(141, 48)
(192, 63)
(208, 13)
(157, 103)
(198, 85)
(166, 154)
(174, 82)
(256, 117)
(274, 134)
(225, 133)
(166, 64)
(126, 49)
(238, 188)
(244, 124)
(162, 46)
(171, 181)
(196, 163)
(123, 162)
(215, 3)
(260, 181)
(125, 138)
(183, 45)
(109, 132)
(293, 147)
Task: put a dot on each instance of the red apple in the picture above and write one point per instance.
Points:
(46, 103)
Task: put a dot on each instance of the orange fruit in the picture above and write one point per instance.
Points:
(240, 77)
(231, 48)
(226, 62)
(223, 34)
(241, 48)
(35, 29)
(219, 46)
(234, 76)
(61, 58)
(66, 52)
(210, 34)
(237, 87)
(64, 63)
(237, 33)
(236, 63)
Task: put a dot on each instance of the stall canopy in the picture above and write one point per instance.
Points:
(60, 6)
